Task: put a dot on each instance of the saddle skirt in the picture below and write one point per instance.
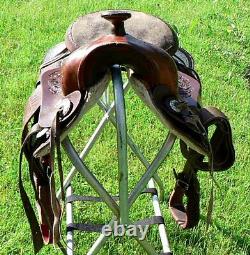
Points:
(74, 75)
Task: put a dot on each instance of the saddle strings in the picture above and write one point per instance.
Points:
(211, 173)
(55, 146)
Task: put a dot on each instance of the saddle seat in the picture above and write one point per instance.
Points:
(142, 26)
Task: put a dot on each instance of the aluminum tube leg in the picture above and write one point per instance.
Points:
(147, 246)
(91, 142)
(138, 153)
(167, 146)
(161, 187)
(88, 146)
(69, 220)
(89, 177)
(105, 96)
(121, 142)
(162, 229)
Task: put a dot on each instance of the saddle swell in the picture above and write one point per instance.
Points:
(151, 65)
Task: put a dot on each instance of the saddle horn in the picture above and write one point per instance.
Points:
(117, 18)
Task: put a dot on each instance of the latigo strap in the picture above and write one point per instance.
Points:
(41, 170)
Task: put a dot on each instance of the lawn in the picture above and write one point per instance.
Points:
(217, 33)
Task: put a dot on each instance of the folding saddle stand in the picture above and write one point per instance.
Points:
(72, 78)
(120, 212)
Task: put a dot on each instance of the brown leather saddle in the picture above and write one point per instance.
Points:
(74, 75)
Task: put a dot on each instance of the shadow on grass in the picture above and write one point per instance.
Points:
(241, 242)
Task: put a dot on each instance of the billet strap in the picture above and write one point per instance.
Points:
(187, 183)
(41, 186)
(38, 178)
(48, 231)
(55, 205)
(186, 216)
(34, 225)
(48, 206)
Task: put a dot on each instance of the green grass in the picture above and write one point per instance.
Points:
(217, 33)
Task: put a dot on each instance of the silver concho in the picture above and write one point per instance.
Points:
(54, 82)
(65, 106)
(174, 105)
(184, 86)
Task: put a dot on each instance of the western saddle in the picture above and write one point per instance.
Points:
(75, 73)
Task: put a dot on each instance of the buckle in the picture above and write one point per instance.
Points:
(182, 184)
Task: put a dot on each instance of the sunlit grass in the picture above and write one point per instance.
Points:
(217, 33)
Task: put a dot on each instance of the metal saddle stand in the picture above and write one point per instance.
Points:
(121, 212)
(72, 79)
